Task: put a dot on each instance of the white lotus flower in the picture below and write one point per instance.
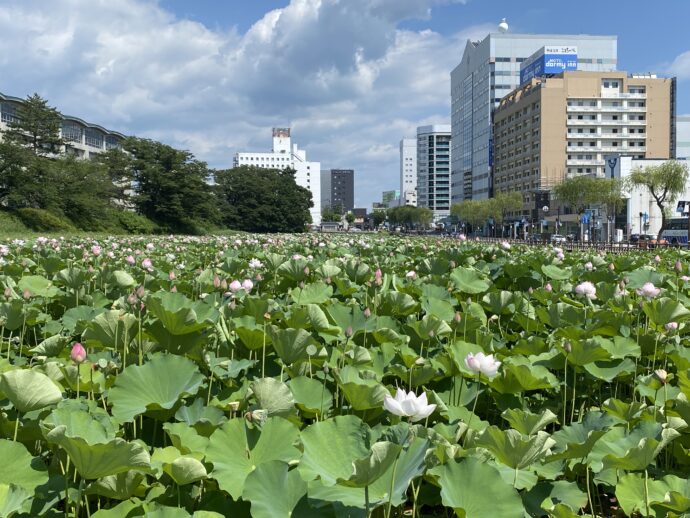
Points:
(586, 289)
(408, 405)
(648, 290)
(255, 263)
(480, 362)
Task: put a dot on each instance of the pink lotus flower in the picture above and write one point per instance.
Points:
(548, 287)
(589, 266)
(482, 363)
(96, 250)
(78, 353)
(235, 286)
(130, 259)
(586, 289)
(411, 274)
(671, 326)
(146, 264)
(247, 284)
(648, 290)
(657, 259)
(408, 405)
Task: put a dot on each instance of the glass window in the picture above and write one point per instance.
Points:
(94, 138)
(71, 132)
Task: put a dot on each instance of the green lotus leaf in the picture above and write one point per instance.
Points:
(330, 446)
(74, 278)
(19, 468)
(123, 279)
(350, 317)
(178, 314)
(587, 351)
(82, 418)
(476, 490)
(368, 469)
(397, 303)
(29, 389)
(311, 395)
(630, 491)
(293, 270)
(205, 418)
(158, 384)
(430, 326)
(291, 344)
(273, 396)
(518, 375)
(610, 370)
(361, 393)
(554, 272)
(112, 329)
(664, 310)
(624, 413)
(314, 293)
(186, 439)
(641, 455)
(274, 491)
(620, 347)
(12, 313)
(618, 445)
(499, 302)
(469, 281)
(12, 498)
(529, 423)
(674, 502)
(638, 278)
(119, 487)
(512, 448)
(94, 461)
(185, 470)
(38, 286)
(357, 271)
(439, 308)
(51, 346)
(237, 448)
(547, 494)
(410, 465)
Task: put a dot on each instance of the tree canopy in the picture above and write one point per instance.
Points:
(410, 217)
(36, 126)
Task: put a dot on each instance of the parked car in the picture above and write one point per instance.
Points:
(535, 238)
(558, 238)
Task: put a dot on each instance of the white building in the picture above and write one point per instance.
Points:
(408, 171)
(489, 70)
(81, 138)
(640, 200)
(433, 169)
(683, 136)
(285, 154)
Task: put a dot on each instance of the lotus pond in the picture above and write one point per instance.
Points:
(313, 376)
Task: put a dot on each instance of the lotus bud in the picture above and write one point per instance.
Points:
(247, 284)
(327, 280)
(452, 264)
(130, 259)
(141, 292)
(411, 274)
(457, 317)
(26, 294)
(671, 326)
(171, 275)
(326, 369)
(216, 281)
(612, 266)
(259, 277)
(224, 285)
(431, 333)
(232, 305)
(567, 347)
(378, 275)
(173, 289)
(306, 270)
(530, 290)
(267, 316)
(132, 299)
(662, 375)
(420, 361)
(78, 353)
(589, 266)
(548, 287)
(8, 292)
(679, 266)
(367, 312)
(348, 331)
(657, 259)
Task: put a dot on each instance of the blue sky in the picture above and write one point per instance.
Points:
(352, 77)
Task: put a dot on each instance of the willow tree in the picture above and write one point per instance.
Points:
(664, 183)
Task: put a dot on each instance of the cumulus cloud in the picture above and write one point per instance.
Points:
(344, 75)
(680, 67)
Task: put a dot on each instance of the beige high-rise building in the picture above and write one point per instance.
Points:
(558, 126)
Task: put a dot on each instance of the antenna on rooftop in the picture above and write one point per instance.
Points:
(503, 26)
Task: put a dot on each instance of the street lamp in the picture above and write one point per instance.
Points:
(545, 210)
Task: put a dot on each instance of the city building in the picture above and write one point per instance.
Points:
(82, 139)
(489, 70)
(571, 123)
(285, 154)
(390, 198)
(683, 136)
(338, 189)
(408, 171)
(433, 169)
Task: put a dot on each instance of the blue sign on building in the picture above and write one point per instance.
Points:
(548, 60)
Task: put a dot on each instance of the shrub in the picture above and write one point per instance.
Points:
(11, 224)
(134, 223)
(43, 220)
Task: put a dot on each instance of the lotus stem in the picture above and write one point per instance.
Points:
(78, 378)
(646, 493)
(390, 492)
(366, 500)
(16, 427)
(263, 353)
(589, 492)
(572, 407)
(565, 389)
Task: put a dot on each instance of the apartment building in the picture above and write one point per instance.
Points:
(408, 171)
(433, 169)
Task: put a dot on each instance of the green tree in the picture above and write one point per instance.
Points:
(37, 126)
(350, 218)
(610, 196)
(171, 186)
(329, 213)
(378, 217)
(664, 182)
(578, 193)
(118, 166)
(16, 182)
(262, 200)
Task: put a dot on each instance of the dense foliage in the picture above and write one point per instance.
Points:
(169, 189)
(229, 377)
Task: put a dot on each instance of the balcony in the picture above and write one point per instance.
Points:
(619, 95)
(585, 162)
(577, 122)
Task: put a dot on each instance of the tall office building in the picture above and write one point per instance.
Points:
(489, 69)
(683, 137)
(408, 171)
(433, 169)
(338, 189)
(82, 139)
(572, 123)
(285, 154)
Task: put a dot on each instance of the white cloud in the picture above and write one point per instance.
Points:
(342, 73)
(680, 67)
